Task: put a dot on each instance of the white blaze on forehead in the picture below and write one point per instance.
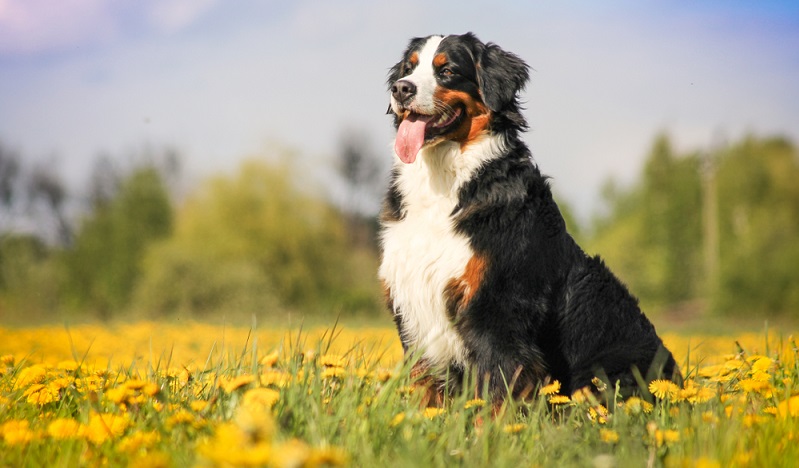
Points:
(424, 77)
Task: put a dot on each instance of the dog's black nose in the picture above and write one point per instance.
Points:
(403, 91)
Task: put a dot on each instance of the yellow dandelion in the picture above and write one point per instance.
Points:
(709, 417)
(583, 395)
(40, 394)
(664, 389)
(752, 385)
(475, 403)
(137, 441)
(277, 378)
(198, 405)
(704, 462)
(762, 364)
(334, 373)
(514, 428)
(291, 453)
(180, 417)
(30, 375)
(17, 432)
(598, 414)
(332, 360)
(69, 366)
(270, 359)
(550, 389)
(789, 407)
(105, 426)
(256, 421)
(636, 406)
(397, 420)
(328, 456)
(230, 385)
(63, 428)
(117, 395)
(559, 400)
(383, 375)
(431, 413)
(608, 436)
(7, 360)
(265, 397)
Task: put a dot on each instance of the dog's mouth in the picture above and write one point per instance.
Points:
(417, 129)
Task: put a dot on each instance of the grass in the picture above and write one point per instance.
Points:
(150, 394)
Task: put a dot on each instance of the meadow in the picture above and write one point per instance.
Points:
(193, 394)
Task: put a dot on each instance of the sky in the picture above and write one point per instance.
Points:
(222, 81)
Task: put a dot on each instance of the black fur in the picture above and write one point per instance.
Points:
(544, 309)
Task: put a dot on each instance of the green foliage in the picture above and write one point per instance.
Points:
(759, 225)
(254, 243)
(656, 238)
(29, 278)
(104, 264)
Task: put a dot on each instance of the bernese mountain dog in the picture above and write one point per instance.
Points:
(478, 269)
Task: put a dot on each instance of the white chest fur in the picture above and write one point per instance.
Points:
(422, 252)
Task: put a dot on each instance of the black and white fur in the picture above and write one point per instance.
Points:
(479, 271)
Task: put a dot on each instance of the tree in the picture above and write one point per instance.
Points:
(256, 244)
(104, 264)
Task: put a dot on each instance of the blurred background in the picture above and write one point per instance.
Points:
(206, 159)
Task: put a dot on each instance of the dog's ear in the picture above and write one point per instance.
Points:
(501, 76)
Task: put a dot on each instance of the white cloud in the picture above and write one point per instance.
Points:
(33, 26)
(174, 15)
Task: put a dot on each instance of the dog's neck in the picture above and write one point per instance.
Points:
(443, 168)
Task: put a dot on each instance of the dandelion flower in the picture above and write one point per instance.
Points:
(104, 426)
(291, 453)
(559, 400)
(789, 407)
(17, 432)
(270, 359)
(63, 428)
(431, 413)
(475, 403)
(550, 389)
(30, 375)
(761, 365)
(334, 373)
(514, 428)
(636, 406)
(328, 456)
(397, 420)
(265, 397)
(664, 389)
(332, 360)
(608, 436)
(230, 385)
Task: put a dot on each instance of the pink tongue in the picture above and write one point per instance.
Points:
(410, 137)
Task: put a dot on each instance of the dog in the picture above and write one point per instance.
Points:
(478, 269)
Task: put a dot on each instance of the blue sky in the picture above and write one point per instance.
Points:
(222, 81)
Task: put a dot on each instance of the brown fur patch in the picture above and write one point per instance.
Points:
(439, 59)
(387, 297)
(475, 121)
(433, 391)
(414, 59)
(460, 291)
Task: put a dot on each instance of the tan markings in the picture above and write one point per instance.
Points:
(433, 390)
(460, 291)
(476, 120)
(387, 296)
(414, 59)
(439, 59)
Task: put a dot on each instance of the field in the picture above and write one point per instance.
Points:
(151, 394)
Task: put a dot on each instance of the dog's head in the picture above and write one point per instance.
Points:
(454, 88)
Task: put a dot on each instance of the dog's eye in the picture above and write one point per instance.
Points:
(446, 71)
